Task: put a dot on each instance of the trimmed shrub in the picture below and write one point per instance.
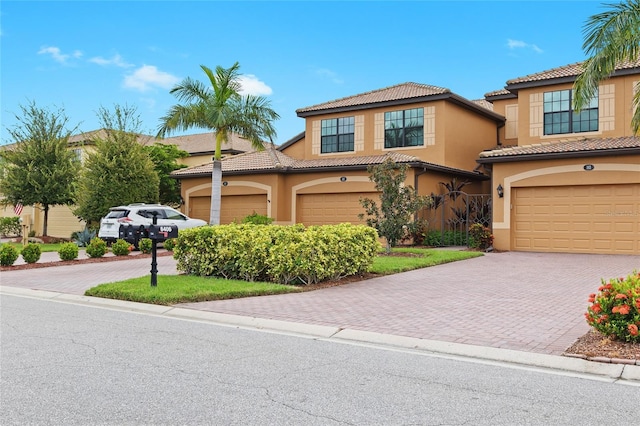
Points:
(68, 251)
(96, 248)
(284, 254)
(31, 253)
(145, 245)
(121, 248)
(615, 309)
(258, 219)
(480, 237)
(10, 226)
(8, 255)
(169, 244)
(436, 238)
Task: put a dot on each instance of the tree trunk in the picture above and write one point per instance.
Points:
(216, 193)
(46, 220)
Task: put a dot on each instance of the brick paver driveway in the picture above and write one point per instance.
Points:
(523, 301)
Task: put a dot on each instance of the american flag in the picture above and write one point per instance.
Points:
(17, 209)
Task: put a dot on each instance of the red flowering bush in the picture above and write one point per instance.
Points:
(615, 309)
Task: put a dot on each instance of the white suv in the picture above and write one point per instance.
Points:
(142, 214)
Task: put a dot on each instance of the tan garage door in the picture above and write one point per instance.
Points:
(326, 209)
(234, 207)
(577, 219)
(199, 208)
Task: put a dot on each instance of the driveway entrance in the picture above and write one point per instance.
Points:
(522, 301)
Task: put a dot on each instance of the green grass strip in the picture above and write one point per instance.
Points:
(172, 289)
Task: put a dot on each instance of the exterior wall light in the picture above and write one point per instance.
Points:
(225, 183)
(343, 179)
(500, 190)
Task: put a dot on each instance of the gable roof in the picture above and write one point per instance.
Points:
(562, 149)
(566, 74)
(400, 94)
(89, 137)
(563, 74)
(271, 160)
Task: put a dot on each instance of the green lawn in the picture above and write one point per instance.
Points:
(43, 247)
(172, 289)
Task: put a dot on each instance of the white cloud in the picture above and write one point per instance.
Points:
(57, 54)
(250, 85)
(115, 60)
(519, 44)
(148, 76)
(328, 74)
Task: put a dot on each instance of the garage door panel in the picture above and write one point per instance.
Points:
(333, 208)
(232, 208)
(582, 219)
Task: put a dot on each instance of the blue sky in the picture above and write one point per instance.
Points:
(81, 55)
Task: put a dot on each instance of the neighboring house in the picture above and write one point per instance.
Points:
(201, 147)
(569, 182)
(319, 176)
(62, 222)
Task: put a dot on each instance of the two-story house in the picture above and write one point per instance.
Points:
(564, 181)
(319, 176)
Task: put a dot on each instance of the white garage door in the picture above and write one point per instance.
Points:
(328, 209)
(577, 219)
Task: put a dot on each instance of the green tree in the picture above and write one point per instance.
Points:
(119, 171)
(398, 202)
(610, 38)
(165, 160)
(221, 108)
(39, 169)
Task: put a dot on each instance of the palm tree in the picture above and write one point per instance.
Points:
(611, 37)
(221, 109)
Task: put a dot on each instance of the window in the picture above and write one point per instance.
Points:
(337, 135)
(559, 116)
(174, 215)
(404, 128)
(78, 153)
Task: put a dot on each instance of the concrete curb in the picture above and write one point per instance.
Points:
(623, 372)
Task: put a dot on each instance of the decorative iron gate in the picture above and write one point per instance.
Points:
(452, 214)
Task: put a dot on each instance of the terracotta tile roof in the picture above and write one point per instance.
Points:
(392, 93)
(273, 160)
(205, 143)
(498, 92)
(268, 159)
(89, 137)
(483, 103)
(571, 70)
(566, 146)
(353, 161)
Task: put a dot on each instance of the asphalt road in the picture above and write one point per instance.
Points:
(64, 363)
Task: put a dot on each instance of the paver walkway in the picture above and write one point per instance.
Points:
(523, 301)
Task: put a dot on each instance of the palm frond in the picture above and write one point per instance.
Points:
(610, 37)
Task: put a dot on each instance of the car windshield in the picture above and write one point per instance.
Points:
(175, 215)
(117, 214)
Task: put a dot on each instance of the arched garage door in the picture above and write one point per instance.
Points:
(327, 209)
(577, 219)
(233, 208)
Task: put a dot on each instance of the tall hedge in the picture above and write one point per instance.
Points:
(283, 254)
